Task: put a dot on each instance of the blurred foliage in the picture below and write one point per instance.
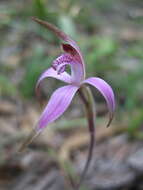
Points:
(6, 87)
(135, 128)
(35, 65)
(98, 51)
(66, 24)
(40, 9)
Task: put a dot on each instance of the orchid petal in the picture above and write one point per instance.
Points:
(71, 46)
(65, 77)
(58, 103)
(106, 91)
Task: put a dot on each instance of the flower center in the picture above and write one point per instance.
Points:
(60, 63)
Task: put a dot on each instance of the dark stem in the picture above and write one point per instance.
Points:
(88, 101)
(91, 146)
(82, 96)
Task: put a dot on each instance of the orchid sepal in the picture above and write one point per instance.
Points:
(32, 135)
(107, 92)
(57, 105)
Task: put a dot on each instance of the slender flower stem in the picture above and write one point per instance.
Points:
(91, 146)
(88, 101)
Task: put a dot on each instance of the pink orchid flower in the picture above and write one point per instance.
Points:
(62, 97)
